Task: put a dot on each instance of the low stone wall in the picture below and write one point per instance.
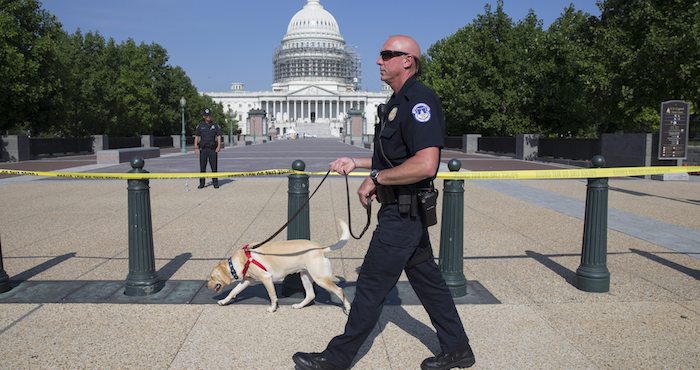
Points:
(693, 158)
(116, 156)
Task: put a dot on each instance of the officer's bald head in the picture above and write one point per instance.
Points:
(406, 44)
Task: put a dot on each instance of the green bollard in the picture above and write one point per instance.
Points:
(4, 278)
(143, 278)
(593, 275)
(298, 196)
(451, 259)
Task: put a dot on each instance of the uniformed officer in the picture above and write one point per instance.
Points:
(207, 141)
(405, 161)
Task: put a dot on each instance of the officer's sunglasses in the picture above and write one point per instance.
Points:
(389, 54)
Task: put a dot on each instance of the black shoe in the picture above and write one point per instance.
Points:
(449, 360)
(216, 186)
(200, 186)
(313, 361)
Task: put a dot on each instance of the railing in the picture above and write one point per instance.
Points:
(124, 142)
(453, 142)
(163, 141)
(497, 144)
(52, 146)
(579, 149)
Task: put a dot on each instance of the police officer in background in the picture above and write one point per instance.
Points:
(207, 141)
(405, 161)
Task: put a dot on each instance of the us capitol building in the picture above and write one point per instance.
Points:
(316, 83)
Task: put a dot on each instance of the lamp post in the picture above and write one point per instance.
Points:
(183, 142)
(230, 127)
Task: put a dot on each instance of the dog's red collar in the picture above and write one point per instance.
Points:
(249, 259)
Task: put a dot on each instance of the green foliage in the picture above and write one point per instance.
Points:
(81, 84)
(583, 76)
(29, 72)
(652, 51)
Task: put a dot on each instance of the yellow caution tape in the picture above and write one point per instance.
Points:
(467, 175)
(142, 175)
(567, 173)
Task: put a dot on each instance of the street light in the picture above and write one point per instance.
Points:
(230, 127)
(183, 143)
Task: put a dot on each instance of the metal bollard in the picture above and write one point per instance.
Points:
(298, 195)
(143, 278)
(4, 278)
(451, 228)
(593, 275)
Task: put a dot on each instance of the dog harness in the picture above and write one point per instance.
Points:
(249, 259)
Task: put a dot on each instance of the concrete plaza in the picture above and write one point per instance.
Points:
(65, 248)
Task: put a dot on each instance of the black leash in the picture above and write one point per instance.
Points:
(295, 214)
(369, 211)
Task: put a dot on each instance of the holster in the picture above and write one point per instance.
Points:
(386, 194)
(415, 202)
(407, 201)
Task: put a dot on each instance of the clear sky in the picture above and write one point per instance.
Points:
(218, 42)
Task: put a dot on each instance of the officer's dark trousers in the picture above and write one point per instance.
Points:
(208, 155)
(394, 242)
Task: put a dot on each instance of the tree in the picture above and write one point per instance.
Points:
(572, 78)
(485, 74)
(29, 69)
(652, 51)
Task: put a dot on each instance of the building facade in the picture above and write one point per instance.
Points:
(316, 82)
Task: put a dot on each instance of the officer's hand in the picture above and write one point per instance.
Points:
(367, 192)
(343, 165)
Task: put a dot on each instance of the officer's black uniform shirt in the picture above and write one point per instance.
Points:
(207, 133)
(413, 121)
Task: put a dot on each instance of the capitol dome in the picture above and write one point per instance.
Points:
(314, 51)
(313, 21)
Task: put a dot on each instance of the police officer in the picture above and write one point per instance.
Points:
(405, 161)
(207, 141)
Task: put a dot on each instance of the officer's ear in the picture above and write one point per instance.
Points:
(406, 62)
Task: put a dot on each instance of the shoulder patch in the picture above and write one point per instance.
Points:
(421, 112)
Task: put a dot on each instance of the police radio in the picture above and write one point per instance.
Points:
(381, 109)
(380, 113)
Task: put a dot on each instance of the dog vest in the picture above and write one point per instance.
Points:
(249, 259)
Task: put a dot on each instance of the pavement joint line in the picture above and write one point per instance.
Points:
(674, 237)
(21, 318)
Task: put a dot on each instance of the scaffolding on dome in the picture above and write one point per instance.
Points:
(310, 64)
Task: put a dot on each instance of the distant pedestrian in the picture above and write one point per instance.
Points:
(207, 142)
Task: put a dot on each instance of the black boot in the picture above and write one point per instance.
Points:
(313, 361)
(450, 360)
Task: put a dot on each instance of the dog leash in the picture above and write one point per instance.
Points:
(294, 215)
(369, 211)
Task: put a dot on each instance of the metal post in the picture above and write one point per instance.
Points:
(451, 259)
(4, 278)
(593, 275)
(183, 141)
(143, 278)
(298, 190)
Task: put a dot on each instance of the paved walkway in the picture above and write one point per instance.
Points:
(65, 248)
